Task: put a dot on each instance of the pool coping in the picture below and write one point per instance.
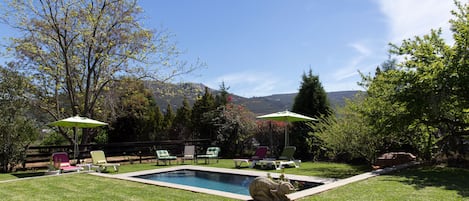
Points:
(130, 177)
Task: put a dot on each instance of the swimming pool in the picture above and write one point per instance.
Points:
(212, 180)
(217, 181)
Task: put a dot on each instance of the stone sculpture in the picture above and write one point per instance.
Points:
(265, 189)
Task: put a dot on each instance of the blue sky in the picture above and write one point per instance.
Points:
(263, 47)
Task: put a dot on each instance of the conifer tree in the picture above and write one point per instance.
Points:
(311, 101)
(182, 121)
(201, 125)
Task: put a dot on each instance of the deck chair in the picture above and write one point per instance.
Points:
(189, 153)
(212, 153)
(285, 159)
(260, 154)
(163, 155)
(61, 162)
(100, 162)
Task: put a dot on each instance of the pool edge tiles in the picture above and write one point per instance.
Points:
(133, 176)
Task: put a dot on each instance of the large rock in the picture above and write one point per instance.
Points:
(393, 158)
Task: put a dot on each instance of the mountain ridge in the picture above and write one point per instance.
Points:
(173, 94)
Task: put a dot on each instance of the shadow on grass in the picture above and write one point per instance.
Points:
(338, 172)
(28, 174)
(443, 177)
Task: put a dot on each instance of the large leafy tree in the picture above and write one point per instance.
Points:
(311, 101)
(347, 135)
(17, 131)
(234, 126)
(424, 102)
(73, 50)
(134, 112)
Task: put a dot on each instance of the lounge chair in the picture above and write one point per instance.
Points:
(285, 159)
(189, 153)
(212, 153)
(163, 155)
(61, 162)
(260, 154)
(100, 162)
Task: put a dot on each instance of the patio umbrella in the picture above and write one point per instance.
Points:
(286, 116)
(77, 122)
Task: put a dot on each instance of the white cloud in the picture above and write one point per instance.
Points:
(341, 86)
(409, 18)
(361, 48)
(350, 69)
(249, 84)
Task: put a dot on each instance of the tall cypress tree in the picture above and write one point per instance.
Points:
(182, 121)
(156, 121)
(311, 101)
(201, 125)
(168, 122)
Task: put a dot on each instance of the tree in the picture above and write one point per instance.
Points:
(423, 103)
(133, 112)
(223, 97)
(312, 98)
(234, 126)
(347, 135)
(74, 49)
(272, 134)
(168, 120)
(156, 119)
(182, 121)
(310, 101)
(17, 129)
(201, 124)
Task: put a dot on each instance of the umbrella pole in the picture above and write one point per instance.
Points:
(286, 134)
(74, 143)
(271, 137)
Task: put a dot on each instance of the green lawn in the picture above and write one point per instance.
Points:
(319, 169)
(413, 184)
(422, 183)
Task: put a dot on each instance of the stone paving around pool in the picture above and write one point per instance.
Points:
(328, 182)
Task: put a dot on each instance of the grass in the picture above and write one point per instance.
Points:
(318, 169)
(421, 183)
(425, 183)
(88, 187)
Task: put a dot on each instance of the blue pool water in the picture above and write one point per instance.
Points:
(226, 182)
(238, 184)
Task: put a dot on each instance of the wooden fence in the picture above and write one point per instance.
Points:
(39, 156)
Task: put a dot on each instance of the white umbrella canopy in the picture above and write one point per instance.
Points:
(77, 122)
(286, 116)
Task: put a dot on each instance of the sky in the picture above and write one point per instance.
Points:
(263, 47)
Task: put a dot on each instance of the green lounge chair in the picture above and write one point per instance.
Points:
(100, 162)
(163, 155)
(212, 153)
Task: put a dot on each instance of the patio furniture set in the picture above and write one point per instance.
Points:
(60, 163)
(189, 154)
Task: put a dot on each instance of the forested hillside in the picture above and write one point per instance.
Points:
(165, 93)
